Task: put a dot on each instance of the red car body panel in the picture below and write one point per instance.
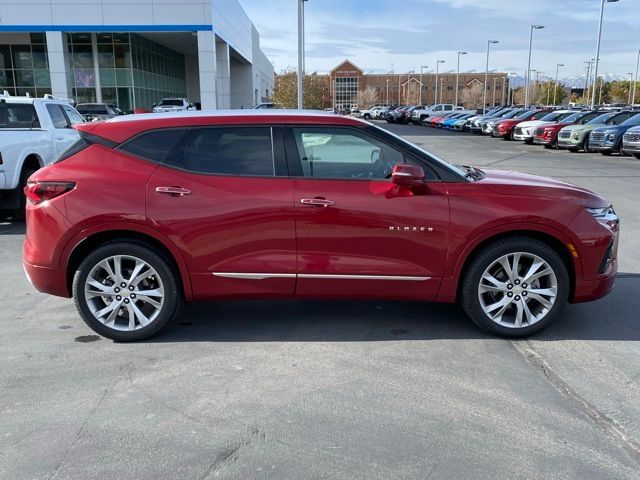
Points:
(257, 224)
(549, 133)
(506, 126)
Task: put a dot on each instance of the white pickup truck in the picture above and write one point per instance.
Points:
(33, 131)
(419, 115)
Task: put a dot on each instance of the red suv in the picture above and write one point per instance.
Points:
(146, 213)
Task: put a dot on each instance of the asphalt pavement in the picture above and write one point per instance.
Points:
(332, 390)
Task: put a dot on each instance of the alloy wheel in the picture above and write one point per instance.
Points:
(124, 293)
(518, 290)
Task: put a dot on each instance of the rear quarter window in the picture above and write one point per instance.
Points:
(17, 115)
(160, 146)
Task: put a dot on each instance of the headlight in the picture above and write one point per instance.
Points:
(611, 137)
(606, 216)
(576, 135)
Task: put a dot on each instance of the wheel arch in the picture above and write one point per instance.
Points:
(95, 239)
(32, 160)
(558, 245)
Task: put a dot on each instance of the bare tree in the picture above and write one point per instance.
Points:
(472, 96)
(368, 97)
(315, 92)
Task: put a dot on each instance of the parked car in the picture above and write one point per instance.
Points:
(98, 111)
(33, 131)
(487, 125)
(576, 137)
(398, 223)
(547, 135)
(448, 123)
(375, 111)
(475, 126)
(503, 128)
(631, 142)
(459, 124)
(607, 139)
(419, 115)
(386, 111)
(264, 106)
(397, 114)
(173, 105)
(524, 130)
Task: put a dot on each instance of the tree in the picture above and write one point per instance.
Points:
(471, 96)
(518, 96)
(368, 97)
(544, 95)
(619, 91)
(315, 92)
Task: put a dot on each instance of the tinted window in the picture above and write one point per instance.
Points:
(632, 121)
(57, 117)
(600, 119)
(171, 102)
(231, 151)
(159, 146)
(619, 118)
(18, 116)
(344, 153)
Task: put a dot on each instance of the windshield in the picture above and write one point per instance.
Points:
(600, 119)
(459, 170)
(171, 102)
(526, 114)
(574, 117)
(632, 121)
(512, 114)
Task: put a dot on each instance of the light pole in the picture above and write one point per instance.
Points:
(387, 92)
(422, 67)
(633, 99)
(504, 87)
(300, 50)
(441, 82)
(555, 84)
(630, 81)
(458, 75)
(593, 98)
(601, 85)
(528, 79)
(495, 81)
(435, 98)
(486, 78)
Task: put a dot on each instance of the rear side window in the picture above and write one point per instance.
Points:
(160, 146)
(18, 116)
(57, 117)
(73, 116)
(231, 151)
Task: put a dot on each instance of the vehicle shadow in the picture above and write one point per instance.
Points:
(615, 317)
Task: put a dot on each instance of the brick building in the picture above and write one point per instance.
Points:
(346, 80)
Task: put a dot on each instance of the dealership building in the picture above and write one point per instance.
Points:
(133, 53)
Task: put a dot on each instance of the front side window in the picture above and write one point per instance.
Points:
(343, 153)
(57, 117)
(231, 151)
(74, 117)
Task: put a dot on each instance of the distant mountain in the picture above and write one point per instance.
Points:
(571, 82)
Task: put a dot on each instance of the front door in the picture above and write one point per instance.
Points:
(224, 198)
(359, 235)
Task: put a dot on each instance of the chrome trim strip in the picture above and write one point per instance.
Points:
(253, 276)
(363, 277)
(263, 276)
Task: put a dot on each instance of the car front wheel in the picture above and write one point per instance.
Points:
(126, 291)
(515, 287)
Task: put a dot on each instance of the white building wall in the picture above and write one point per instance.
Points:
(223, 76)
(233, 26)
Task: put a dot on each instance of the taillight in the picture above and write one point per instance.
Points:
(38, 192)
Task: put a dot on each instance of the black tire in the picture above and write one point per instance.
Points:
(510, 137)
(573, 149)
(19, 213)
(606, 154)
(173, 300)
(585, 145)
(637, 155)
(481, 261)
(529, 141)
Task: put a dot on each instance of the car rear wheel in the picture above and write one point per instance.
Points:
(126, 291)
(515, 287)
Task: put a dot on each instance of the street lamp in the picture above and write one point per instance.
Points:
(435, 98)
(555, 84)
(630, 81)
(528, 79)
(422, 67)
(593, 98)
(458, 75)
(486, 78)
(387, 92)
(495, 82)
(300, 50)
(633, 100)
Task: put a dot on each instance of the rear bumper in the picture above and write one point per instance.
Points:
(51, 280)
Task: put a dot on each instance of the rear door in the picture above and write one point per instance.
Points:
(222, 195)
(64, 134)
(358, 234)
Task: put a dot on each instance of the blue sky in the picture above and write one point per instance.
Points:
(381, 35)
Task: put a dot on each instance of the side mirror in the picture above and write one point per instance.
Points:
(407, 175)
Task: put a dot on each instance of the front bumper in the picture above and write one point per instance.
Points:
(542, 141)
(602, 146)
(631, 147)
(565, 143)
(590, 290)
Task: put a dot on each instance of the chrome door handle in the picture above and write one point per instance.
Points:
(317, 202)
(175, 191)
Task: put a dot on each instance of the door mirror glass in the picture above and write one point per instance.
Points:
(407, 175)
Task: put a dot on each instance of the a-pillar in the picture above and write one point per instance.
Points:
(58, 55)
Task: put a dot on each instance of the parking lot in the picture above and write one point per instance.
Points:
(332, 390)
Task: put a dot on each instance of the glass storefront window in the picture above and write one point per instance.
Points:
(82, 56)
(122, 56)
(24, 78)
(106, 58)
(108, 77)
(22, 56)
(42, 78)
(39, 55)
